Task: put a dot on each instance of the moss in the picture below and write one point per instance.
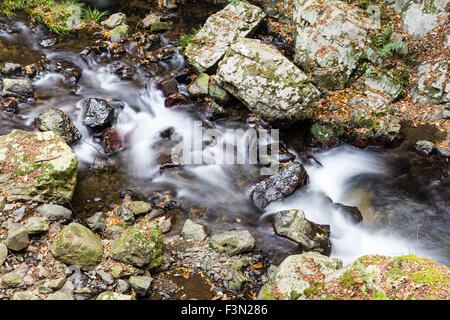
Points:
(266, 292)
(347, 280)
(314, 289)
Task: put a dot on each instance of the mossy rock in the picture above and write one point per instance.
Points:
(79, 246)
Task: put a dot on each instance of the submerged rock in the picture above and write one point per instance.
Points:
(279, 186)
(238, 19)
(56, 120)
(267, 82)
(98, 113)
(309, 235)
(139, 245)
(232, 242)
(79, 246)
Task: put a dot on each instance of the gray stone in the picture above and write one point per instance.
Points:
(10, 68)
(238, 19)
(3, 253)
(2, 203)
(139, 207)
(140, 284)
(194, 230)
(232, 242)
(310, 236)
(125, 213)
(19, 88)
(425, 146)
(56, 284)
(114, 20)
(267, 82)
(98, 113)
(25, 295)
(59, 296)
(47, 173)
(97, 221)
(119, 33)
(106, 277)
(108, 295)
(199, 87)
(122, 286)
(37, 225)
(54, 212)
(56, 120)
(17, 238)
(13, 279)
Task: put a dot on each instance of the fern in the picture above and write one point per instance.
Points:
(382, 38)
(390, 48)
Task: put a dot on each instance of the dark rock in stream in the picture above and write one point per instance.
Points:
(309, 235)
(68, 70)
(279, 186)
(98, 113)
(167, 86)
(57, 120)
(177, 99)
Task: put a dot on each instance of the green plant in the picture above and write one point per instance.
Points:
(390, 48)
(187, 38)
(92, 15)
(383, 43)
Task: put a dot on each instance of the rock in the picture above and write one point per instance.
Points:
(25, 295)
(310, 236)
(114, 20)
(3, 253)
(10, 68)
(199, 87)
(97, 221)
(232, 242)
(294, 273)
(238, 19)
(213, 111)
(330, 40)
(122, 286)
(37, 167)
(17, 238)
(68, 70)
(382, 86)
(13, 279)
(106, 277)
(140, 284)
(139, 207)
(108, 295)
(432, 86)
(425, 147)
(165, 224)
(168, 86)
(19, 88)
(59, 296)
(125, 213)
(119, 33)
(351, 212)
(238, 280)
(98, 113)
(177, 99)
(218, 93)
(279, 186)
(2, 203)
(139, 245)
(267, 82)
(10, 105)
(194, 230)
(77, 245)
(113, 142)
(56, 120)
(54, 212)
(159, 27)
(56, 284)
(150, 19)
(169, 4)
(18, 214)
(47, 43)
(37, 225)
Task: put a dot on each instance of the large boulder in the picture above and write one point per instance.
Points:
(309, 235)
(295, 274)
(267, 82)
(433, 84)
(79, 246)
(139, 245)
(37, 167)
(280, 185)
(331, 40)
(56, 120)
(238, 19)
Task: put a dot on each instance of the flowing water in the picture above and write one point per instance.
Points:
(396, 220)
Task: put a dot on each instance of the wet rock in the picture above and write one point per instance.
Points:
(114, 20)
(108, 295)
(98, 113)
(54, 212)
(168, 86)
(97, 222)
(19, 88)
(140, 284)
(68, 70)
(37, 166)
(113, 142)
(3, 253)
(77, 245)
(177, 99)
(213, 111)
(199, 87)
(327, 35)
(25, 295)
(47, 43)
(17, 238)
(232, 242)
(139, 245)
(218, 93)
(119, 33)
(10, 105)
(425, 147)
(351, 212)
(293, 275)
(56, 120)
(10, 68)
(309, 235)
(194, 230)
(238, 19)
(124, 71)
(262, 78)
(279, 186)
(37, 225)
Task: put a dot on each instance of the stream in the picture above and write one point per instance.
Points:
(401, 215)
